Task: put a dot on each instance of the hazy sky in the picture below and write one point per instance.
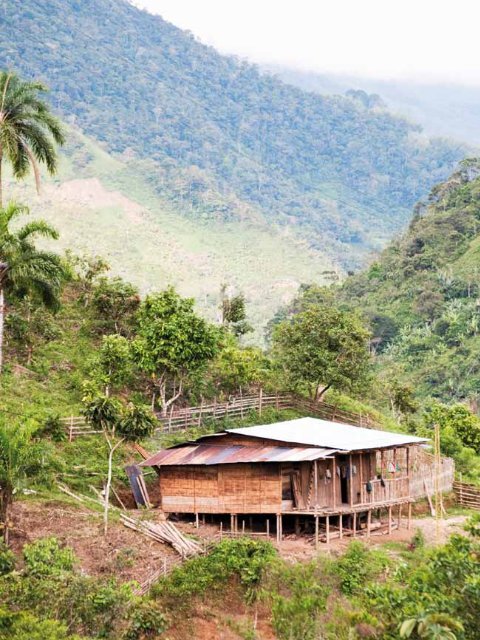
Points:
(424, 39)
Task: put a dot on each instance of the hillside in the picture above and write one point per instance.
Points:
(104, 205)
(215, 138)
(449, 110)
(422, 295)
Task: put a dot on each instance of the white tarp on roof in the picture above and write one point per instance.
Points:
(323, 433)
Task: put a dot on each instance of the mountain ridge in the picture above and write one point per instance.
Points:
(218, 137)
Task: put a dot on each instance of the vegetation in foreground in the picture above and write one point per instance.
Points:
(415, 592)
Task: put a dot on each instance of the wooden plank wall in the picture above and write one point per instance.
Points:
(233, 488)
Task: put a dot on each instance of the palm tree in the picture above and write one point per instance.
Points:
(28, 129)
(23, 268)
(20, 458)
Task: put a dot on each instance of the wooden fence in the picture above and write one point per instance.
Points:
(185, 418)
(468, 495)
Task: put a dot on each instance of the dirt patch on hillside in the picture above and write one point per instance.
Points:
(122, 553)
(90, 192)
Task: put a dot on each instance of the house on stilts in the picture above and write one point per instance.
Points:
(306, 473)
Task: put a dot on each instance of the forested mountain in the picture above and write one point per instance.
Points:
(422, 296)
(216, 138)
(445, 109)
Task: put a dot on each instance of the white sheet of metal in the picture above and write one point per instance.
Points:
(323, 433)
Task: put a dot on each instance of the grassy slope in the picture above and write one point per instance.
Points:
(105, 206)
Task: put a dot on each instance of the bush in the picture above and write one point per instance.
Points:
(53, 428)
(357, 566)
(247, 559)
(147, 621)
(7, 560)
(45, 557)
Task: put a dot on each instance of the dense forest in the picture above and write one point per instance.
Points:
(421, 296)
(218, 138)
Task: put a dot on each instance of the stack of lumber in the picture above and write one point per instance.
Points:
(164, 532)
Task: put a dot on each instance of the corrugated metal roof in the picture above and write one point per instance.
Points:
(209, 454)
(323, 433)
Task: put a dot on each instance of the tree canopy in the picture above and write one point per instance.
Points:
(322, 347)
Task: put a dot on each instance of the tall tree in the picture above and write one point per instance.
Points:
(172, 342)
(322, 347)
(25, 269)
(28, 129)
(234, 314)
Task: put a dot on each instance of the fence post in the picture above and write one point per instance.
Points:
(241, 403)
(170, 419)
(461, 489)
(260, 400)
(214, 407)
(70, 431)
(200, 413)
(276, 400)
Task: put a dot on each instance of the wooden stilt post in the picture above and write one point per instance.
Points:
(297, 525)
(221, 529)
(399, 516)
(232, 520)
(389, 519)
(315, 482)
(268, 527)
(203, 519)
(354, 524)
(409, 522)
(369, 522)
(340, 526)
(316, 532)
(243, 527)
(327, 525)
(197, 523)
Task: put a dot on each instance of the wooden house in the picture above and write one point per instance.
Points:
(303, 467)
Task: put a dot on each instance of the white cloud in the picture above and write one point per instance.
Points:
(420, 39)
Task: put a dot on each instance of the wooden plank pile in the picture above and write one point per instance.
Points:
(165, 532)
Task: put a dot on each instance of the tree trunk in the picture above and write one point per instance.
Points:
(5, 502)
(2, 322)
(319, 392)
(1, 182)
(109, 483)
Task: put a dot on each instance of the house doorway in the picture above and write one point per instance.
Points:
(344, 480)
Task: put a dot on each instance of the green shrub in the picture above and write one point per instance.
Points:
(147, 621)
(298, 594)
(24, 626)
(244, 558)
(357, 566)
(45, 557)
(7, 559)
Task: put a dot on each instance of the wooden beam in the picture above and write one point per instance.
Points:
(350, 478)
(334, 480)
(369, 522)
(361, 477)
(315, 466)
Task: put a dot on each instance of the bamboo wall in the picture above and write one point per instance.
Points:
(231, 488)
